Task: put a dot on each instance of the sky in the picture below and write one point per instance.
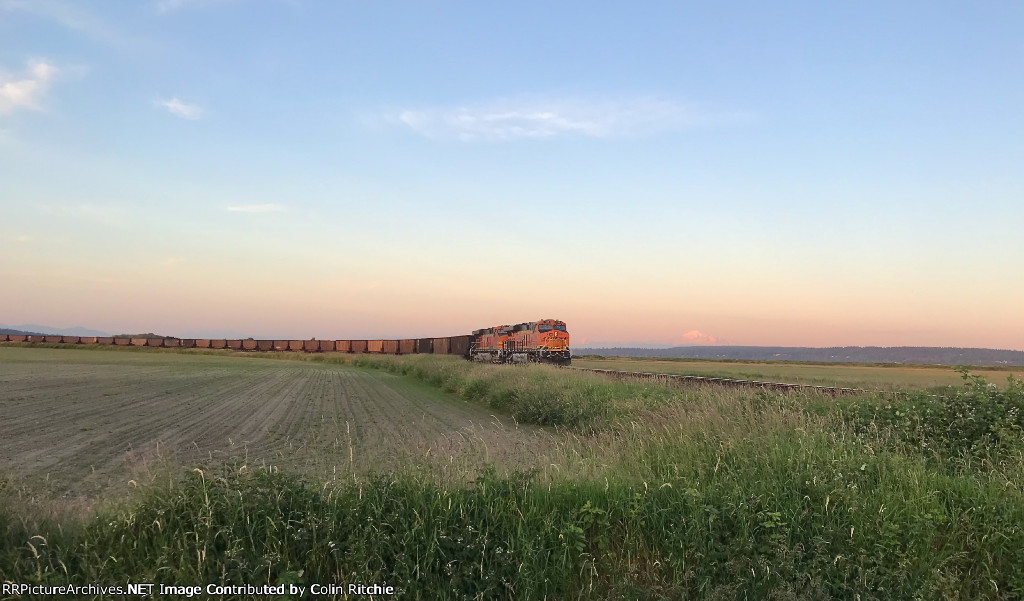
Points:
(785, 173)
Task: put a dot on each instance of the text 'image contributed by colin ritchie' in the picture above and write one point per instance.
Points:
(157, 590)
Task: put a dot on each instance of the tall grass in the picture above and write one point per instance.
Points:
(776, 514)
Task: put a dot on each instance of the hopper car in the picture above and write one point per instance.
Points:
(543, 341)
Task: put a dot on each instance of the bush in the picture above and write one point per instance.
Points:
(978, 423)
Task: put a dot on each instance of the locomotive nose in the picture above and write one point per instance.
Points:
(557, 338)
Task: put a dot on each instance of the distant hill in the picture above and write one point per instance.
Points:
(36, 329)
(859, 354)
(9, 331)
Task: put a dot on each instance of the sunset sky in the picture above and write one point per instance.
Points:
(792, 173)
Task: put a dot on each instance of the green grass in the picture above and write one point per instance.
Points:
(538, 394)
(660, 493)
(739, 532)
(754, 501)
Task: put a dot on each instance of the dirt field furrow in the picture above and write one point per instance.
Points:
(81, 421)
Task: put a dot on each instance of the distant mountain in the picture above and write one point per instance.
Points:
(860, 354)
(10, 331)
(40, 329)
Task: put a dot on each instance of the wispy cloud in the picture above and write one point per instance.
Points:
(257, 208)
(539, 119)
(166, 6)
(70, 15)
(182, 109)
(26, 90)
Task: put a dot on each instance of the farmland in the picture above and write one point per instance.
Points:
(81, 421)
(454, 480)
(870, 377)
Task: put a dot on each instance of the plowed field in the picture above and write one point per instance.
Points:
(83, 421)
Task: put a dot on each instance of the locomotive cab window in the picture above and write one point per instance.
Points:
(544, 328)
(561, 328)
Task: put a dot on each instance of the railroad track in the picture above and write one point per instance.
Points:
(705, 380)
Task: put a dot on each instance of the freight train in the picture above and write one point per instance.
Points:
(546, 341)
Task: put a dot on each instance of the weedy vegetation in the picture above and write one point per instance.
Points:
(644, 492)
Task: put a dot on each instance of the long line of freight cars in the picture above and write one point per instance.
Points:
(451, 345)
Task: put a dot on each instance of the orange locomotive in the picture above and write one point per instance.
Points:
(544, 341)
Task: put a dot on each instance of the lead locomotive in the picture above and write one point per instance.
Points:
(544, 341)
